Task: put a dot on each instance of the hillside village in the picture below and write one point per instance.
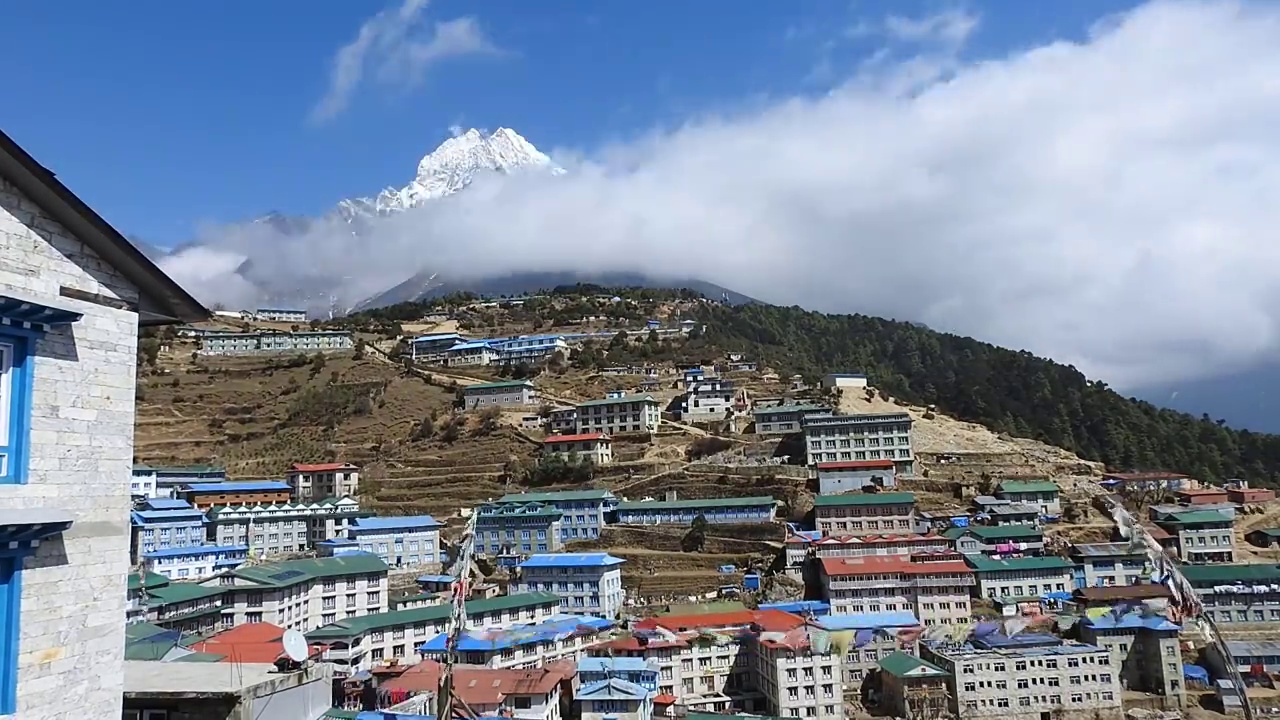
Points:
(604, 460)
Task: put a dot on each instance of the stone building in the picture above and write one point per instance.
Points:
(73, 293)
(865, 513)
(935, 587)
(619, 413)
(282, 528)
(1144, 646)
(304, 594)
(840, 438)
(508, 393)
(312, 482)
(1021, 577)
(1203, 536)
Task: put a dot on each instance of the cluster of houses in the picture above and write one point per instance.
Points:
(190, 523)
(456, 350)
(263, 342)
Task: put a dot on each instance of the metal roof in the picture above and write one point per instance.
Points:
(569, 560)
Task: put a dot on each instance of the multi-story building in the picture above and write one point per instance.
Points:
(531, 348)
(517, 528)
(562, 421)
(1108, 564)
(194, 562)
(280, 315)
(785, 419)
(997, 539)
(613, 699)
(161, 529)
(836, 478)
(409, 541)
(1237, 594)
(189, 608)
(865, 513)
(1009, 513)
(359, 642)
(707, 401)
(596, 447)
(877, 545)
(841, 438)
(844, 380)
(313, 482)
(209, 495)
(619, 413)
(265, 342)
(433, 347)
(1203, 536)
(637, 671)
(1144, 647)
(560, 637)
(526, 694)
(304, 594)
(1042, 494)
(508, 393)
(799, 678)
(1029, 677)
(472, 354)
(912, 688)
(683, 512)
(1021, 577)
(936, 587)
(164, 482)
(878, 634)
(284, 528)
(584, 511)
(587, 583)
(136, 595)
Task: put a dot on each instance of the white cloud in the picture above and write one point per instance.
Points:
(396, 48)
(952, 27)
(1109, 203)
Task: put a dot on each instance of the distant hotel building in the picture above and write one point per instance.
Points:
(194, 562)
(785, 419)
(583, 511)
(400, 541)
(274, 529)
(263, 492)
(619, 413)
(841, 438)
(530, 348)
(935, 587)
(517, 528)
(304, 594)
(594, 446)
(314, 482)
(510, 393)
(587, 583)
(258, 343)
(162, 482)
(865, 513)
(164, 525)
(683, 512)
(432, 348)
(283, 316)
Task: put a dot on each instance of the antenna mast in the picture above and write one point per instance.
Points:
(447, 702)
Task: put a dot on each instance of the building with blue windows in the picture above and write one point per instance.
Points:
(584, 512)
(73, 294)
(682, 512)
(174, 524)
(517, 528)
(195, 562)
(427, 348)
(165, 482)
(587, 583)
(531, 348)
(637, 670)
(410, 541)
(614, 698)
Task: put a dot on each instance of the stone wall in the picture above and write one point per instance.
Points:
(81, 452)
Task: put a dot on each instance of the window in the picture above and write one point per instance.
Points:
(14, 409)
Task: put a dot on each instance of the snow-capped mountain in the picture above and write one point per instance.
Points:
(451, 167)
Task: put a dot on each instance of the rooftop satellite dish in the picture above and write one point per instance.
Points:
(295, 646)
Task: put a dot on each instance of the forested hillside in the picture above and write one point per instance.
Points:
(1014, 392)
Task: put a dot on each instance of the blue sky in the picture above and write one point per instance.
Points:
(167, 115)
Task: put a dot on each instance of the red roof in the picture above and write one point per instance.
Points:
(1156, 532)
(857, 465)
(251, 643)
(556, 439)
(322, 467)
(481, 685)
(633, 644)
(665, 699)
(900, 564)
(768, 620)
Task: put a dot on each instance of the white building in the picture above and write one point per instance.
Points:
(1022, 577)
(707, 401)
(878, 436)
(278, 315)
(560, 637)
(587, 583)
(194, 562)
(844, 380)
(304, 594)
(283, 528)
(614, 699)
(508, 393)
(409, 541)
(313, 482)
(562, 420)
(619, 413)
(73, 293)
(596, 447)
(798, 679)
(934, 587)
(473, 353)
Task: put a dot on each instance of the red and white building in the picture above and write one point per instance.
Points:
(935, 586)
(879, 545)
(596, 447)
(314, 482)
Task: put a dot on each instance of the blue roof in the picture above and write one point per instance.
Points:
(473, 345)
(1131, 620)
(435, 578)
(436, 336)
(554, 628)
(868, 621)
(196, 550)
(414, 522)
(612, 689)
(800, 607)
(567, 560)
(616, 664)
(142, 517)
(249, 486)
(332, 542)
(167, 504)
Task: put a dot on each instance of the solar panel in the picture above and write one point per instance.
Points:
(286, 574)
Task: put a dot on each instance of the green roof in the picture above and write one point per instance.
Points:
(142, 630)
(148, 649)
(292, 572)
(181, 592)
(619, 400)
(880, 498)
(988, 532)
(1022, 486)
(339, 714)
(699, 503)
(562, 495)
(901, 664)
(149, 580)
(351, 627)
(1193, 517)
(497, 385)
(982, 563)
(1231, 574)
(1269, 532)
(776, 409)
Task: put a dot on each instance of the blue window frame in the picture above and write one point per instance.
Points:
(10, 597)
(15, 407)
